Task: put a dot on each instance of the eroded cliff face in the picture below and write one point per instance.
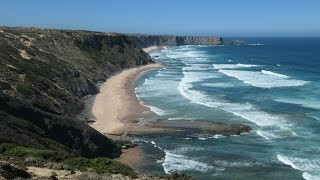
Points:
(167, 40)
(44, 75)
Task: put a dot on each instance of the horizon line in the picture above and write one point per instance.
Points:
(159, 34)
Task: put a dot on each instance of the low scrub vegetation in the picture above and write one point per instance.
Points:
(20, 151)
(100, 165)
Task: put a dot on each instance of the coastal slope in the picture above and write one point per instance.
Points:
(45, 75)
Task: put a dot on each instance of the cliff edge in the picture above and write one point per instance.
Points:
(44, 75)
(169, 40)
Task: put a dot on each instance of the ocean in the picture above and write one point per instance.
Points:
(271, 84)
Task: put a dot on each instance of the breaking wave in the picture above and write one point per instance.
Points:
(233, 66)
(263, 79)
(311, 168)
(278, 125)
(176, 160)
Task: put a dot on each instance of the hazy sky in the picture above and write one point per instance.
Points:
(193, 17)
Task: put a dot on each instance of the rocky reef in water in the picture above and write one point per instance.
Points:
(236, 42)
(190, 129)
(169, 40)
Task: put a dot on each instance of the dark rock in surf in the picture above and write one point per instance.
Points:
(236, 43)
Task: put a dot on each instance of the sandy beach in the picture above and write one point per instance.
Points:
(119, 114)
(116, 105)
(151, 48)
(131, 157)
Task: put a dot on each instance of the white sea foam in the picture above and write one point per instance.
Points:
(274, 74)
(185, 86)
(176, 118)
(203, 45)
(311, 168)
(251, 113)
(309, 176)
(247, 65)
(177, 161)
(148, 89)
(153, 143)
(263, 80)
(233, 66)
(225, 66)
(216, 136)
(163, 75)
(227, 84)
(202, 59)
(160, 160)
(225, 163)
(268, 135)
(157, 110)
(195, 54)
(255, 44)
(186, 54)
(305, 102)
(246, 111)
(176, 55)
(202, 138)
(198, 67)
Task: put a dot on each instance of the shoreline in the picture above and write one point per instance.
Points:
(119, 114)
(116, 107)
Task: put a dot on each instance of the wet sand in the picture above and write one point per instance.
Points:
(131, 157)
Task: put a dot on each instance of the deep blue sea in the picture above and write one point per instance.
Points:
(272, 84)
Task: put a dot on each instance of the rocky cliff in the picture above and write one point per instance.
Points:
(168, 40)
(44, 75)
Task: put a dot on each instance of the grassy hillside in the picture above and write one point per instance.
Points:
(44, 75)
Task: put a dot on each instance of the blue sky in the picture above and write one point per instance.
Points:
(183, 17)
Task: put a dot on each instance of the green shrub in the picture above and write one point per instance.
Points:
(14, 150)
(100, 165)
(4, 85)
(178, 176)
(5, 147)
(25, 90)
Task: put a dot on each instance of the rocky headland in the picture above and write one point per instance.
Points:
(169, 40)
